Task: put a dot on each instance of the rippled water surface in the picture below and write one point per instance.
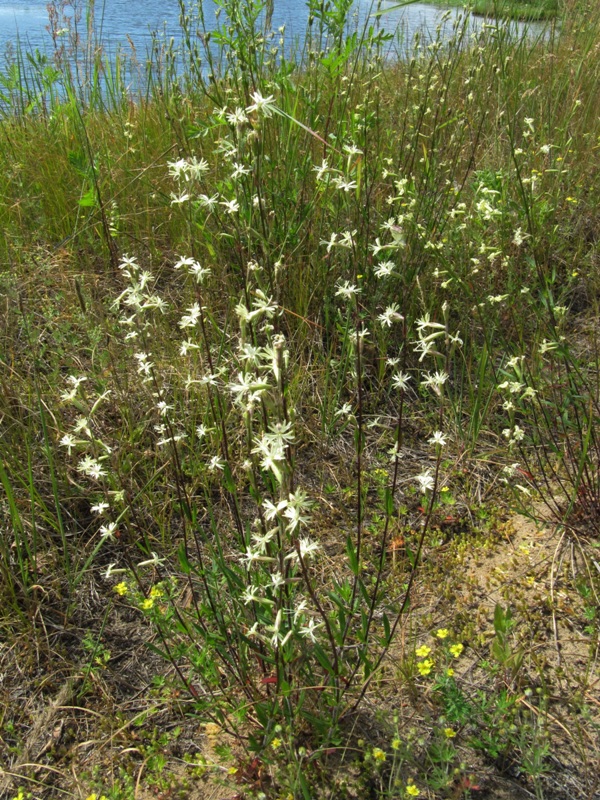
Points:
(119, 20)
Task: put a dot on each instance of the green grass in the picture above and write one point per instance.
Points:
(529, 10)
(286, 342)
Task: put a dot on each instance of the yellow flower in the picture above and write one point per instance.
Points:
(147, 603)
(120, 588)
(449, 733)
(442, 633)
(449, 672)
(412, 791)
(425, 667)
(456, 649)
(378, 755)
(276, 743)
(156, 591)
(396, 743)
(423, 651)
(232, 770)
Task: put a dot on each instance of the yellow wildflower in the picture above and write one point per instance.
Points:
(412, 791)
(456, 649)
(423, 651)
(120, 588)
(442, 633)
(147, 603)
(425, 667)
(378, 754)
(449, 733)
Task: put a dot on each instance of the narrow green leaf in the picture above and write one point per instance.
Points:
(353, 560)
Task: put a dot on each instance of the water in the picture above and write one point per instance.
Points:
(116, 20)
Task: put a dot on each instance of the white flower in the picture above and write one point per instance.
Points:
(237, 117)
(390, 315)
(216, 462)
(83, 426)
(239, 170)
(163, 408)
(331, 242)
(179, 199)
(108, 531)
(208, 202)
(198, 272)
(308, 631)
(297, 503)
(384, 269)
(425, 481)
(438, 439)
(69, 441)
(128, 262)
(272, 510)
(400, 381)
(435, 381)
(99, 508)
(347, 290)
(352, 150)
(262, 540)
(74, 380)
(344, 185)
(202, 430)
(547, 346)
(251, 594)
(186, 346)
(345, 411)
(518, 434)
(112, 571)
(250, 556)
(518, 238)
(190, 319)
(153, 561)
(177, 169)
(347, 239)
(322, 170)
(306, 547)
(272, 452)
(249, 388)
(511, 469)
(196, 167)
(262, 105)
(69, 395)
(184, 261)
(89, 466)
(277, 580)
(231, 206)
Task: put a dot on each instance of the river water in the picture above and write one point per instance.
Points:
(118, 23)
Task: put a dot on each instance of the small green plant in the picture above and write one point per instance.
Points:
(508, 658)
